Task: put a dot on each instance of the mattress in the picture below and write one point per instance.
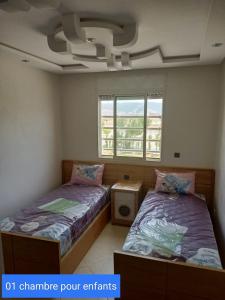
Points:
(174, 227)
(62, 215)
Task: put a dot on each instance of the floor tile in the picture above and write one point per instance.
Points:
(99, 258)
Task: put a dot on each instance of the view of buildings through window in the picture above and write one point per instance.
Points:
(130, 127)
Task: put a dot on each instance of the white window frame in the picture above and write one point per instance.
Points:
(146, 97)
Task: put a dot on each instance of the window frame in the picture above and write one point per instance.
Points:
(113, 98)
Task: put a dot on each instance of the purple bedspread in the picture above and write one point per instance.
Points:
(174, 227)
(62, 215)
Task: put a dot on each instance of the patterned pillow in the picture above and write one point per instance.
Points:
(87, 175)
(181, 183)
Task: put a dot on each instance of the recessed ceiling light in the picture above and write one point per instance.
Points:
(217, 45)
(25, 60)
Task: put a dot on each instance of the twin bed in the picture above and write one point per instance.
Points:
(61, 215)
(169, 253)
(174, 227)
(53, 234)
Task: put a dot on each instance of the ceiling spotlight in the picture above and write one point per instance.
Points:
(216, 45)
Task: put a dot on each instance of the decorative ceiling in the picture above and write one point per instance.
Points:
(98, 35)
(25, 5)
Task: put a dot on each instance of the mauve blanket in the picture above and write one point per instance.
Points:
(175, 227)
(62, 215)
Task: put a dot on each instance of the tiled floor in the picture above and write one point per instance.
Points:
(99, 258)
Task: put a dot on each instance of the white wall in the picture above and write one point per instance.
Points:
(30, 134)
(190, 111)
(220, 168)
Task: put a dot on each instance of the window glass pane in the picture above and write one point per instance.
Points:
(154, 107)
(154, 123)
(106, 132)
(130, 122)
(130, 134)
(153, 129)
(129, 145)
(107, 108)
(153, 134)
(153, 155)
(153, 146)
(130, 153)
(107, 122)
(107, 113)
(106, 152)
(130, 106)
(129, 148)
(130, 126)
(107, 147)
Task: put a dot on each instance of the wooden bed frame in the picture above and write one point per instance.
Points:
(158, 279)
(23, 254)
(28, 255)
(150, 278)
(32, 255)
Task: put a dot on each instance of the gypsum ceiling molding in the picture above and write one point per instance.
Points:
(74, 67)
(113, 65)
(164, 59)
(123, 36)
(126, 58)
(73, 29)
(44, 3)
(11, 6)
(125, 61)
(37, 60)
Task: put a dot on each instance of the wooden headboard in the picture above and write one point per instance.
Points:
(205, 178)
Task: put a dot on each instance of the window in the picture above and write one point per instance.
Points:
(130, 126)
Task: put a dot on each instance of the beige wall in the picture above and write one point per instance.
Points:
(190, 111)
(220, 168)
(30, 134)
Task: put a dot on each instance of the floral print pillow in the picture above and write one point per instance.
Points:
(87, 174)
(181, 183)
